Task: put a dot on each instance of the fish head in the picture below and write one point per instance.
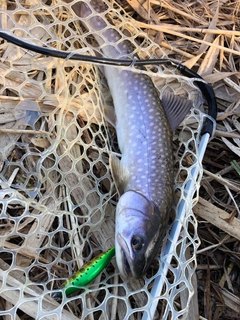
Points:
(138, 234)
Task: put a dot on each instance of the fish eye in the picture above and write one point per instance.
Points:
(137, 243)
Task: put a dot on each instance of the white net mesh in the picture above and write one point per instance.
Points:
(57, 196)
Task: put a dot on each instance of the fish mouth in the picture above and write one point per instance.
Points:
(127, 267)
(123, 257)
(125, 264)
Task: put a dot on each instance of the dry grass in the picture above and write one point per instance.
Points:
(203, 35)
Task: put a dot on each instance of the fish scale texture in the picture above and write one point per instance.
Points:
(57, 194)
(144, 137)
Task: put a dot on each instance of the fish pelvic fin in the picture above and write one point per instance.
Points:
(176, 108)
(119, 173)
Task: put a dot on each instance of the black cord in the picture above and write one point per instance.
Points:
(206, 88)
(80, 57)
(209, 95)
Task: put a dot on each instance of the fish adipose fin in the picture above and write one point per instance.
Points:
(119, 174)
(176, 108)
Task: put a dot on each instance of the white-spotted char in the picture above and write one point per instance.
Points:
(144, 175)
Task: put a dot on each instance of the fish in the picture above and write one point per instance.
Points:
(144, 125)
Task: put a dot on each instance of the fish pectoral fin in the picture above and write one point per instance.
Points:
(119, 174)
(110, 115)
(176, 108)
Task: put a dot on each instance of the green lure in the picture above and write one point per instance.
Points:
(87, 273)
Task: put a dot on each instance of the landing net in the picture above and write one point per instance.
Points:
(57, 195)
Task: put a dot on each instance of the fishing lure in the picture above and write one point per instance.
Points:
(87, 273)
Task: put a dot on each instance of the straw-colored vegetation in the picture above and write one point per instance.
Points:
(45, 131)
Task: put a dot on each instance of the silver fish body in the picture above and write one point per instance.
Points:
(145, 170)
(144, 175)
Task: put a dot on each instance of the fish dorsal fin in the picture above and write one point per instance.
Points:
(119, 173)
(176, 108)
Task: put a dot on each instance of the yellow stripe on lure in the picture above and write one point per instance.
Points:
(87, 273)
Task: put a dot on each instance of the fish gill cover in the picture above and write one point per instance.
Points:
(57, 194)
